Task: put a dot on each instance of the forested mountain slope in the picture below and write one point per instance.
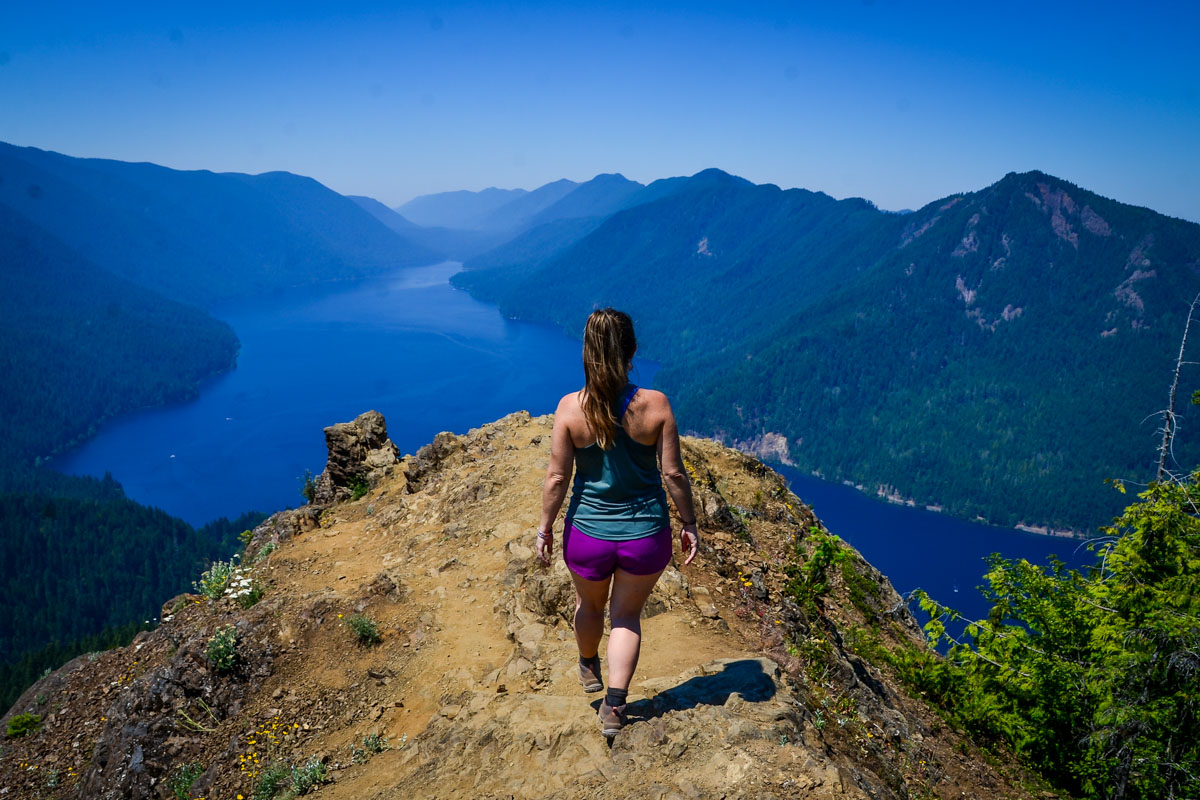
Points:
(599, 197)
(80, 344)
(394, 220)
(1002, 357)
(521, 210)
(563, 224)
(200, 236)
(78, 565)
(713, 235)
(996, 353)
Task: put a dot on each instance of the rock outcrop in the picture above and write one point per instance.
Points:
(360, 456)
(466, 687)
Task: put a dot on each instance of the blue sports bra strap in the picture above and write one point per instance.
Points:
(630, 391)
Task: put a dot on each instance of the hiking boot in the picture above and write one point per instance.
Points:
(590, 679)
(611, 719)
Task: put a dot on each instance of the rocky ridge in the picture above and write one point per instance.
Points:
(742, 690)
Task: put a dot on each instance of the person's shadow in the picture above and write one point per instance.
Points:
(745, 677)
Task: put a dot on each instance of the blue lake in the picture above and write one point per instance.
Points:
(431, 358)
(919, 549)
(427, 356)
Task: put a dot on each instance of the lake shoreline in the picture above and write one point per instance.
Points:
(884, 493)
(436, 277)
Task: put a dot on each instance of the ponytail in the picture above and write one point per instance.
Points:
(608, 347)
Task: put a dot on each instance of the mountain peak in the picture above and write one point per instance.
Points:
(1030, 177)
(714, 175)
(610, 177)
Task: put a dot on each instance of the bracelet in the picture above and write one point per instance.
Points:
(542, 535)
(685, 524)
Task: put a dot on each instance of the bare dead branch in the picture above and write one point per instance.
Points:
(1169, 418)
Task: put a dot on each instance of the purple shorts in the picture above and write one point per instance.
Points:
(596, 559)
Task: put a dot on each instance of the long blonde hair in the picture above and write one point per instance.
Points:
(608, 348)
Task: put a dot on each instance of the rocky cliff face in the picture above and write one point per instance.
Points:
(469, 689)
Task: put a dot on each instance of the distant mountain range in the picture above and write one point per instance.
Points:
(454, 243)
(995, 353)
(200, 236)
(461, 209)
(513, 211)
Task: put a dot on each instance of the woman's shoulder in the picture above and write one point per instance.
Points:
(651, 397)
(651, 406)
(569, 404)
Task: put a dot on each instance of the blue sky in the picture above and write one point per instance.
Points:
(899, 102)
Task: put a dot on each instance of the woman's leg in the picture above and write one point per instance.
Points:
(629, 595)
(590, 599)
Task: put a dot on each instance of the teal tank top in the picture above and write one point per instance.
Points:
(617, 493)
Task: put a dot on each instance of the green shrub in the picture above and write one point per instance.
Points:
(180, 783)
(1090, 677)
(808, 574)
(215, 580)
(264, 551)
(359, 488)
(373, 744)
(308, 776)
(365, 629)
(308, 487)
(283, 782)
(247, 591)
(250, 598)
(864, 592)
(222, 648)
(23, 724)
(271, 781)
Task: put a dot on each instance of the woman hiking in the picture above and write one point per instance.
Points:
(617, 535)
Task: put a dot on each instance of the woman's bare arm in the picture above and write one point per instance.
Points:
(558, 475)
(678, 484)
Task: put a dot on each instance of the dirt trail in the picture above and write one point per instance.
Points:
(468, 654)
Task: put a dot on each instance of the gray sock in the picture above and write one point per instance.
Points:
(616, 697)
